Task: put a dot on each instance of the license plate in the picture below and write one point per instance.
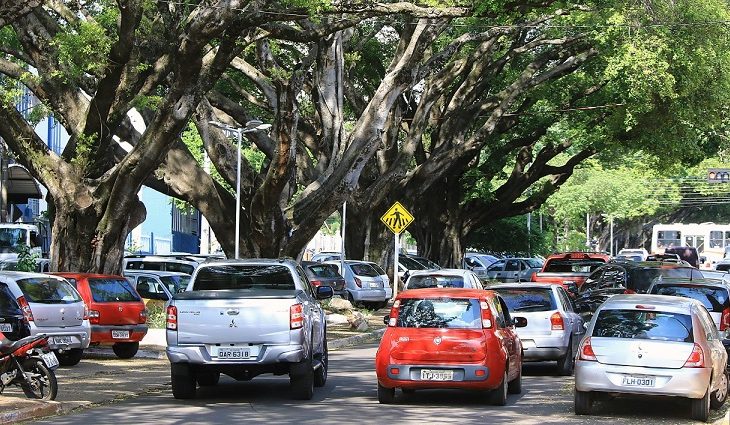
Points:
(234, 353)
(374, 285)
(437, 375)
(638, 381)
(62, 340)
(120, 334)
(6, 327)
(50, 359)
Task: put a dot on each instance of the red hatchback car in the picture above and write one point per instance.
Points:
(116, 311)
(450, 338)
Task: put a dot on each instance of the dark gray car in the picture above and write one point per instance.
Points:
(513, 269)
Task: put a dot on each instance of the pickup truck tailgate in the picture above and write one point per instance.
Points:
(217, 320)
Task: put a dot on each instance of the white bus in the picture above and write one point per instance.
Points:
(710, 239)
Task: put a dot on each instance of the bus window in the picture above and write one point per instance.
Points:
(667, 238)
(716, 239)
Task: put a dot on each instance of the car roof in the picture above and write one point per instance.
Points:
(248, 261)
(444, 292)
(437, 272)
(154, 272)
(76, 275)
(15, 275)
(665, 302)
(523, 286)
(683, 281)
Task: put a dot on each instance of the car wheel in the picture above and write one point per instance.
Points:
(301, 380)
(701, 407)
(207, 379)
(583, 402)
(515, 385)
(498, 396)
(125, 350)
(320, 375)
(385, 395)
(70, 357)
(718, 397)
(566, 363)
(183, 382)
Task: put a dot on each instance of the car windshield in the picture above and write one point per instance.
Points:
(175, 284)
(379, 269)
(435, 281)
(112, 290)
(528, 299)
(410, 263)
(363, 269)
(46, 290)
(323, 271)
(425, 262)
(533, 263)
(170, 266)
(249, 277)
(453, 313)
(572, 266)
(643, 277)
(641, 324)
(8, 305)
(715, 299)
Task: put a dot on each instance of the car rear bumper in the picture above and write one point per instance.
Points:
(545, 347)
(102, 334)
(268, 354)
(465, 376)
(377, 295)
(684, 382)
(78, 338)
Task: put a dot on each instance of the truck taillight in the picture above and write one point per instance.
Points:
(171, 322)
(25, 308)
(296, 316)
(486, 315)
(725, 320)
(533, 277)
(143, 316)
(393, 319)
(94, 316)
(696, 358)
(585, 351)
(358, 282)
(556, 322)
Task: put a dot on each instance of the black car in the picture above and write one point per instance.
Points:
(325, 274)
(13, 323)
(626, 277)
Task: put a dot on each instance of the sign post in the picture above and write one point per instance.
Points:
(397, 218)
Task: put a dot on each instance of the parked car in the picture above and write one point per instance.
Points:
(408, 264)
(425, 262)
(116, 311)
(43, 265)
(157, 287)
(713, 294)
(513, 269)
(326, 256)
(652, 345)
(245, 318)
(635, 254)
(325, 274)
(553, 329)
(386, 280)
(450, 338)
(180, 263)
(478, 263)
(570, 269)
(13, 324)
(627, 277)
(53, 307)
(363, 283)
(443, 278)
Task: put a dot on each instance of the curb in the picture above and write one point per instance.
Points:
(40, 409)
(355, 340)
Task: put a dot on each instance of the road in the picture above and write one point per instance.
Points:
(350, 397)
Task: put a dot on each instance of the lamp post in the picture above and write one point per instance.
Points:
(251, 126)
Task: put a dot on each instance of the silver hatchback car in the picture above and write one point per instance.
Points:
(652, 345)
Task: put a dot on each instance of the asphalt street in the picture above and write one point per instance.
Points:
(350, 397)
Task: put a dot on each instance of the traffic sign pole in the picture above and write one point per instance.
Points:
(397, 218)
(395, 266)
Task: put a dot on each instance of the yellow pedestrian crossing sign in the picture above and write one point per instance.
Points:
(397, 218)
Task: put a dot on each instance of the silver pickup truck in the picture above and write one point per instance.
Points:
(244, 318)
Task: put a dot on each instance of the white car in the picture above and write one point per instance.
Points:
(443, 278)
(654, 345)
(638, 254)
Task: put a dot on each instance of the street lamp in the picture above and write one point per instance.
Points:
(251, 126)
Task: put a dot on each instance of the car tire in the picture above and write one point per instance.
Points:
(208, 379)
(301, 380)
(567, 362)
(386, 395)
(70, 357)
(700, 407)
(515, 385)
(125, 350)
(719, 396)
(498, 396)
(583, 402)
(320, 375)
(183, 382)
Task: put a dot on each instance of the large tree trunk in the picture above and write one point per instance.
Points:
(438, 227)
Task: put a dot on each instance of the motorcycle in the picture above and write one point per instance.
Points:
(29, 364)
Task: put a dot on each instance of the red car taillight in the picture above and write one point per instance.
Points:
(696, 358)
(26, 308)
(143, 316)
(556, 322)
(725, 320)
(296, 316)
(171, 322)
(315, 283)
(629, 291)
(94, 317)
(585, 351)
(358, 282)
(393, 319)
(486, 315)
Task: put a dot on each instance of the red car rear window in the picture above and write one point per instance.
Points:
(453, 313)
(112, 290)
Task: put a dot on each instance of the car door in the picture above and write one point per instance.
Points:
(718, 354)
(511, 270)
(507, 335)
(495, 270)
(313, 310)
(576, 322)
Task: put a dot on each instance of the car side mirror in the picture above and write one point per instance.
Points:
(519, 322)
(386, 319)
(324, 292)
